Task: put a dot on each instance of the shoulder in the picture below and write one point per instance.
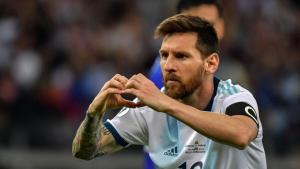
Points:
(229, 93)
(226, 88)
(141, 111)
(143, 114)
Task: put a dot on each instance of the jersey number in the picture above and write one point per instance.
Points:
(197, 165)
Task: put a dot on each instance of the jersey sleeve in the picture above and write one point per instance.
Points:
(242, 103)
(129, 127)
(244, 109)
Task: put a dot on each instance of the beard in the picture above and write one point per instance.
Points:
(180, 90)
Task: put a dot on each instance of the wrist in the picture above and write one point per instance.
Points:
(93, 113)
(168, 105)
(92, 118)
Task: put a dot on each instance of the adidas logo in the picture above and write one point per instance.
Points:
(172, 152)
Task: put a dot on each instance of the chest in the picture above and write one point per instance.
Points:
(176, 145)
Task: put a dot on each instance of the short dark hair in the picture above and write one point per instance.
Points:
(187, 4)
(207, 40)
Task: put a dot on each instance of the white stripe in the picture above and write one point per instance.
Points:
(247, 111)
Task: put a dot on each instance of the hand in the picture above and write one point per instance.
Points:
(109, 96)
(147, 92)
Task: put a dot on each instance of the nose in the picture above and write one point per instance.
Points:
(169, 64)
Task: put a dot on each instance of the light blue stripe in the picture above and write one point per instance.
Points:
(229, 91)
(219, 89)
(223, 86)
(223, 89)
(228, 84)
(226, 88)
(235, 89)
(172, 129)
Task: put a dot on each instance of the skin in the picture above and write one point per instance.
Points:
(92, 138)
(179, 57)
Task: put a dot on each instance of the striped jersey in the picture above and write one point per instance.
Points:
(174, 145)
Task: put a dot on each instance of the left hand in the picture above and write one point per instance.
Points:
(147, 92)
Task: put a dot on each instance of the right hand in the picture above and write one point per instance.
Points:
(110, 97)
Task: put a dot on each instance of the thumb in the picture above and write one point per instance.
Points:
(131, 104)
(140, 104)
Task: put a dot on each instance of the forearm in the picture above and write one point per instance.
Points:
(85, 143)
(221, 128)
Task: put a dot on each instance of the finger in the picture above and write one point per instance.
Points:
(134, 92)
(112, 83)
(105, 86)
(132, 83)
(117, 77)
(140, 76)
(112, 91)
(117, 84)
(136, 77)
(131, 91)
(130, 104)
(140, 104)
(121, 79)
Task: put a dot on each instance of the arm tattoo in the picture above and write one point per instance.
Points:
(105, 130)
(85, 144)
(100, 153)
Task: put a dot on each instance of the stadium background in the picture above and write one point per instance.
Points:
(56, 54)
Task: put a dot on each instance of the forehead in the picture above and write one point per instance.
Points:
(207, 12)
(180, 41)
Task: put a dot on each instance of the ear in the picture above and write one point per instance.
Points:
(211, 63)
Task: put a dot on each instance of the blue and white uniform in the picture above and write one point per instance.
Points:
(172, 144)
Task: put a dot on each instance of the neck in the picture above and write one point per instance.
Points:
(202, 95)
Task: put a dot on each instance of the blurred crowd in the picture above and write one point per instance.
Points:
(56, 54)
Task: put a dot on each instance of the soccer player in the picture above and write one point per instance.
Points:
(209, 10)
(195, 121)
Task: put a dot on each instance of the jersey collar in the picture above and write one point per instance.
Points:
(216, 83)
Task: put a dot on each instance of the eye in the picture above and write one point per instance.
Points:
(164, 55)
(180, 56)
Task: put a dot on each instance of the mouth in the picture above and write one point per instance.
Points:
(172, 81)
(172, 78)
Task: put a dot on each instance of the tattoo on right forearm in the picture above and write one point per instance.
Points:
(86, 139)
(105, 130)
(100, 153)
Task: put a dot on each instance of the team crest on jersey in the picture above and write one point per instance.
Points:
(195, 148)
(172, 152)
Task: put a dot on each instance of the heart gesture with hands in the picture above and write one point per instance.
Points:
(147, 92)
(110, 97)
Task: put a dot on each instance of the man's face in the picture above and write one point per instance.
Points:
(182, 64)
(209, 13)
